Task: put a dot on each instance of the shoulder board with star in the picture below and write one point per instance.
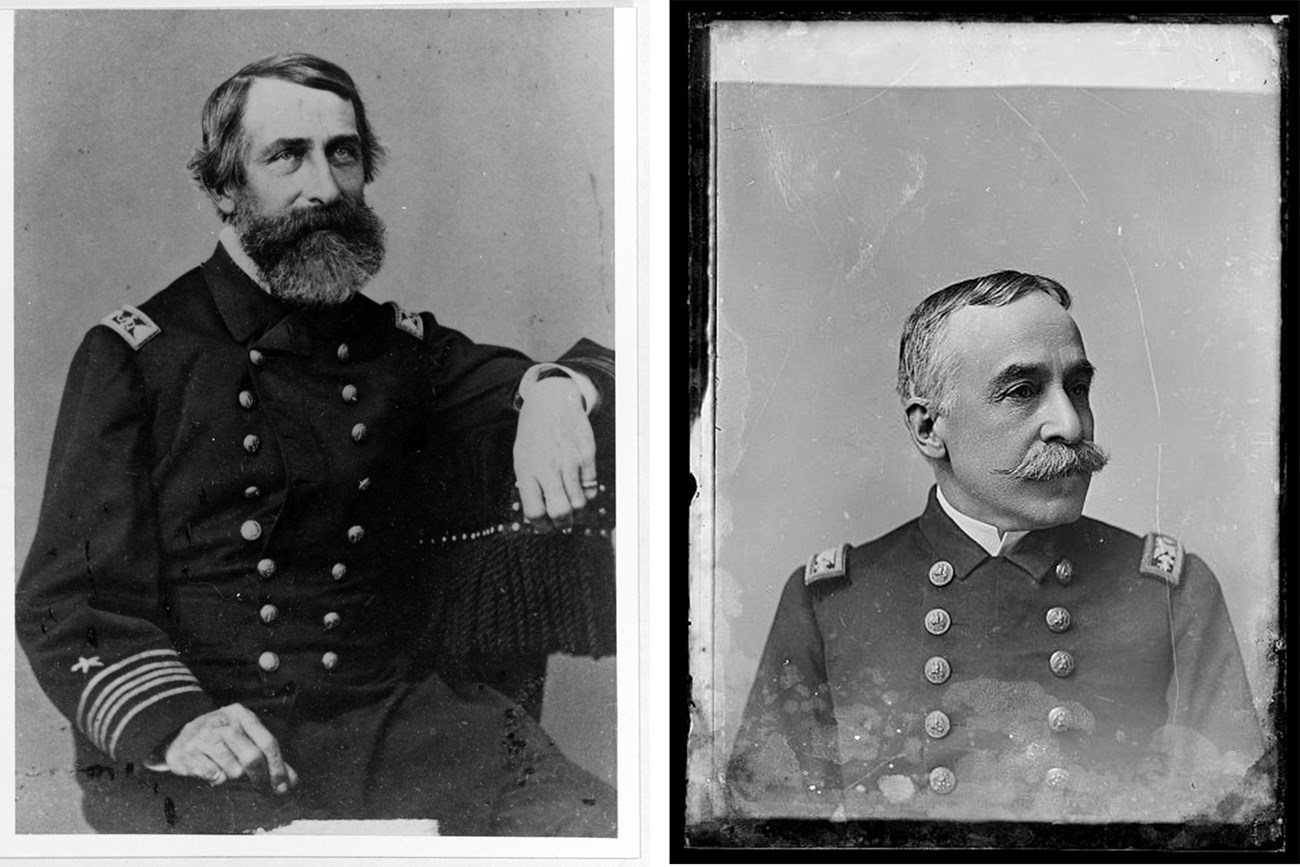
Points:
(1162, 557)
(132, 325)
(825, 565)
(409, 322)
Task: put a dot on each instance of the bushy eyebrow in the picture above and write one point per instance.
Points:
(1013, 372)
(303, 144)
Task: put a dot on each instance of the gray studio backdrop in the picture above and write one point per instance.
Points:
(840, 208)
(498, 197)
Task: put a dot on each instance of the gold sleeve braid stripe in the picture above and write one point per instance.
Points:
(115, 695)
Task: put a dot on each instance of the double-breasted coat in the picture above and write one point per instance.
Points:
(240, 503)
(1087, 674)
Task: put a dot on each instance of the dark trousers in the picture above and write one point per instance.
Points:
(464, 755)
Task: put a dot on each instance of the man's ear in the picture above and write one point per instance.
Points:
(224, 201)
(921, 421)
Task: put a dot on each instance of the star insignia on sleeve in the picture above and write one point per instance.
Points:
(84, 665)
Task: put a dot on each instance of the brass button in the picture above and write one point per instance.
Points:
(349, 393)
(1065, 572)
(256, 357)
(266, 567)
(1057, 777)
(252, 492)
(252, 443)
(1062, 663)
(356, 534)
(358, 432)
(942, 780)
(331, 620)
(941, 573)
(1058, 619)
(338, 571)
(1058, 719)
(269, 613)
(937, 724)
(937, 670)
(344, 352)
(268, 661)
(246, 399)
(937, 621)
(250, 530)
(329, 660)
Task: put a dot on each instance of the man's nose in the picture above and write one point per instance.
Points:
(319, 185)
(1062, 421)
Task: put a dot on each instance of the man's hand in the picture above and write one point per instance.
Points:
(230, 744)
(555, 453)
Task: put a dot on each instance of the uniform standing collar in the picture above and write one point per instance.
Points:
(229, 239)
(1037, 552)
(947, 541)
(245, 307)
(249, 311)
(985, 535)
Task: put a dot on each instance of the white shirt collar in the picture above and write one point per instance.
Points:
(229, 239)
(984, 535)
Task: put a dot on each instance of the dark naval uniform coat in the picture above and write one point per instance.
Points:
(1087, 674)
(240, 504)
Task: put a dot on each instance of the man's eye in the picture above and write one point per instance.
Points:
(345, 154)
(1021, 392)
(285, 157)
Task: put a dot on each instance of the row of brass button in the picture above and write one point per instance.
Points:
(938, 621)
(941, 573)
(937, 671)
(251, 530)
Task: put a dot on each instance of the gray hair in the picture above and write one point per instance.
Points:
(923, 370)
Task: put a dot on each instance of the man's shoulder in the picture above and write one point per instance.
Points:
(1154, 556)
(837, 567)
(184, 303)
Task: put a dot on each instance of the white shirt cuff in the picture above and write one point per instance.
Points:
(590, 396)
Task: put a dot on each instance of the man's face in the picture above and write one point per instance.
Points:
(303, 148)
(301, 213)
(1021, 376)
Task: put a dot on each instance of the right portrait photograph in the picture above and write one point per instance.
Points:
(986, 549)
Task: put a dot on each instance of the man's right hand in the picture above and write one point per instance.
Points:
(229, 744)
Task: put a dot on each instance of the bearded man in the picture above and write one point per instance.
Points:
(249, 473)
(1001, 656)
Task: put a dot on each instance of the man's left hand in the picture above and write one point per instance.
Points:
(555, 453)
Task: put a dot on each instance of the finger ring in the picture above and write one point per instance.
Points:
(591, 484)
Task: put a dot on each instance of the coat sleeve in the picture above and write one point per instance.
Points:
(784, 760)
(1209, 692)
(89, 605)
(475, 383)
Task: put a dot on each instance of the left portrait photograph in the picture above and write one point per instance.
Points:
(314, 389)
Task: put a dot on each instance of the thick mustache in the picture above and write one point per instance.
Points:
(341, 216)
(1053, 460)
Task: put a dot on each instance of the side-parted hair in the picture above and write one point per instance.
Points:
(923, 370)
(218, 164)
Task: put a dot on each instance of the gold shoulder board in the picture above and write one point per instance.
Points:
(1162, 557)
(132, 325)
(411, 323)
(826, 564)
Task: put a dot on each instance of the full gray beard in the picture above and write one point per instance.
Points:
(322, 270)
(314, 259)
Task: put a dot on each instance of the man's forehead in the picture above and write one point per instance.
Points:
(1031, 331)
(282, 109)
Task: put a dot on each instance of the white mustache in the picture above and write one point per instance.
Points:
(1053, 460)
